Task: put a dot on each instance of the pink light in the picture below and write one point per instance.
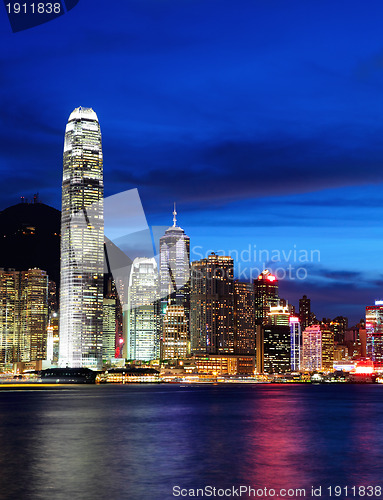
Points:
(293, 319)
(364, 370)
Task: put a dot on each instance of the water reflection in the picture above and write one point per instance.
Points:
(137, 442)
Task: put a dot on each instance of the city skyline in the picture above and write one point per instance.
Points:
(275, 124)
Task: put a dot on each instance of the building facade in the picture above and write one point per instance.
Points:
(311, 348)
(265, 295)
(82, 243)
(142, 312)
(244, 319)
(174, 289)
(374, 332)
(212, 305)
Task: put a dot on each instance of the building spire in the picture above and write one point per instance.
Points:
(174, 216)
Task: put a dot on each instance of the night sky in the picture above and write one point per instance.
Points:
(262, 120)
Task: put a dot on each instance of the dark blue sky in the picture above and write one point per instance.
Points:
(263, 120)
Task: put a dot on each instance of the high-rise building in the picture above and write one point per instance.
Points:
(33, 300)
(311, 348)
(273, 349)
(265, 295)
(279, 314)
(174, 282)
(109, 329)
(327, 349)
(244, 319)
(9, 316)
(23, 315)
(175, 342)
(295, 342)
(305, 312)
(82, 243)
(212, 305)
(141, 316)
(374, 332)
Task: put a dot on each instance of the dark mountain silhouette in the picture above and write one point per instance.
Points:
(30, 237)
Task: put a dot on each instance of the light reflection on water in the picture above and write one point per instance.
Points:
(136, 442)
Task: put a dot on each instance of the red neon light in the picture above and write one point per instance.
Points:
(271, 277)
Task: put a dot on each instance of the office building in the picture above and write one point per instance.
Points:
(175, 341)
(174, 288)
(23, 315)
(327, 349)
(311, 348)
(212, 305)
(295, 342)
(244, 319)
(82, 243)
(141, 316)
(265, 295)
(374, 332)
(305, 312)
(109, 318)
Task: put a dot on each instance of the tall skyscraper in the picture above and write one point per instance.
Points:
(141, 315)
(82, 243)
(212, 305)
(265, 295)
(174, 287)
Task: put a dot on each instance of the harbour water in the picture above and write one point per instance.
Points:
(139, 442)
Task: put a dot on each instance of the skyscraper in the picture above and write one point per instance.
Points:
(141, 314)
(212, 305)
(33, 300)
(305, 312)
(82, 243)
(174, 287)
(23, 315)
(265, 295)
(244, 318)
(295, 342)
(311, 348)
(374, 332)
(175, 343)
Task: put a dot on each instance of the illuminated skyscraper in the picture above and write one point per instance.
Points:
(212, 305)
(141, 314)
(295, 342)
(82, 243)
(327, 349)
(23, 315)
(265, 295)
(374, 331)
(311, 348)
(9, 315)
(174, 283)
(33, 314)
(244, 319)
(175, 342)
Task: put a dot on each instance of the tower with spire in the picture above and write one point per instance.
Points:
(174, 290)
